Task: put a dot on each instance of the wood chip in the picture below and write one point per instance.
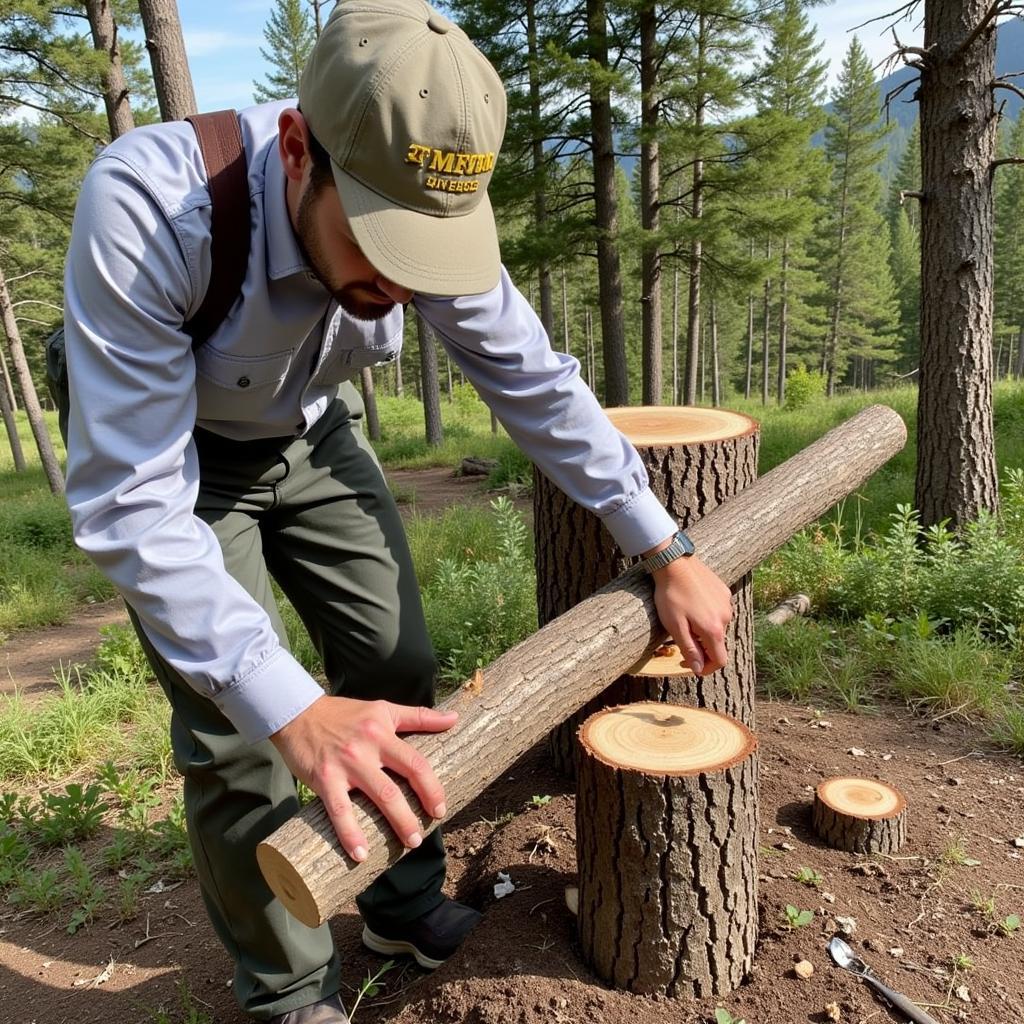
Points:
(804, 969)
(833, 1012)
(105, 975)
(857, 752)
(476, 684)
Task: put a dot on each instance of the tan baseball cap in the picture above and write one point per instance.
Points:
(413, 116)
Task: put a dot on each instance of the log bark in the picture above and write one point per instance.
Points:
(518, 698)
(860, 815)
(798, 604)
(666, 845)
(695, 459)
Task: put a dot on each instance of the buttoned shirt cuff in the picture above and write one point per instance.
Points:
(269, 696)
(640, 524)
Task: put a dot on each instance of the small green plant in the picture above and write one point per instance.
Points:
(984, 905)
(40, 891)
(188, 1012)
(1009, 924)
(14, 854)
(809, 877)
(87, 894)
(963, 962)
(956, 854)
(723, 1016)
(796, 918)
(75, 814)
(371, 986)
(540, 801)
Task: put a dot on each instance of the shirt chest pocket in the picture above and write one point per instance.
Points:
(231, 384)
(350, 351)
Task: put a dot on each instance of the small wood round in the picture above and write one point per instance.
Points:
(669, 425)
(860, 815)
(287, 883)
(666, 739)
(666, 830)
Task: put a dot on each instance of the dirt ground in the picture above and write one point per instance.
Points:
(914, 913)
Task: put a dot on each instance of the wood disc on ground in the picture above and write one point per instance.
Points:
(695, 459)
(860, 815)
(666, 829)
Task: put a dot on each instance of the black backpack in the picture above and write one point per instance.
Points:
(220, 142)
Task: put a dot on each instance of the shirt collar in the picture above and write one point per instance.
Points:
(284, 256)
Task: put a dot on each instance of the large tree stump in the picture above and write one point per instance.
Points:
(860, 815)
(695, 459)
(666, 844)
(519, 697)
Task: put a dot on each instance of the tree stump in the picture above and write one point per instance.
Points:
(695, 459)
(666, 842)
(860, 815)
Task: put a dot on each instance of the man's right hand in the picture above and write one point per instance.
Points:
(339, 744)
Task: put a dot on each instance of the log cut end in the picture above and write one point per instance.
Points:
(666, 739)
(860, 815)
(665, 663)
(659, 425)
(288, 885)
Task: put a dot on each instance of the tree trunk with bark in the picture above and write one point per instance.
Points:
(540, 199)
(780, 396)
(429, 387)
(650, 207)
(695, 459)
(115, 88)
(516, 700)
(667, 904)
(11, 426)
(370, 404)
(7, 382)
(36, 420)
(166, 46)
(957, 477)
(860, 815)
(606, 213)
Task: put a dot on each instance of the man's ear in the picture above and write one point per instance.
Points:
(293, 143)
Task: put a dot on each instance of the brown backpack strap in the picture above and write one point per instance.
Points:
(220, 142)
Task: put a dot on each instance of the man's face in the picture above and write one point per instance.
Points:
(326, 239)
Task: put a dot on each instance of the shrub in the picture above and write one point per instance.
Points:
(803, 387)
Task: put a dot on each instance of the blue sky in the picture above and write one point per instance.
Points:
(223, 40)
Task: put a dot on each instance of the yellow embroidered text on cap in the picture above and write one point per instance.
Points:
(448, 162)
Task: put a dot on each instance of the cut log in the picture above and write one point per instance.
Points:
(695, 459)
(473, 465)
(798, 604)
(666, 844)
(551, 674)
(860, 815)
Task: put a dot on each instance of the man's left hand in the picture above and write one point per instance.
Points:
(695, 606)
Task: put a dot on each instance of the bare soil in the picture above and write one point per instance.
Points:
(915, 913)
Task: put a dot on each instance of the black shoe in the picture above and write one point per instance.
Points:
(431, 939)
(327, 1011)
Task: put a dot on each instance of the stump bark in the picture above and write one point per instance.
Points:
(519, 697)
(666, 841)
(860, 815)
(695, 459)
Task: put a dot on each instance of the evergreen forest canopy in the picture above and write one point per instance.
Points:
(693, 214)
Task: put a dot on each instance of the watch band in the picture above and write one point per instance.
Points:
(681, 547)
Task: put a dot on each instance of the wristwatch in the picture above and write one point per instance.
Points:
(681, 547)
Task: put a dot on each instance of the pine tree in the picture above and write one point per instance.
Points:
(906, 179)
(290, 34)
(166, 46)
(905, 262)
(1009, 244)
(853, 242)
(790, 96)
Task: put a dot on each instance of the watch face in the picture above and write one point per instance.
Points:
(686, 543)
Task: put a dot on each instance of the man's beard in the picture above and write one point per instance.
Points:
(349, 296)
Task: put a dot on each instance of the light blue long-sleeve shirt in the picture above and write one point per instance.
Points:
(137, 270)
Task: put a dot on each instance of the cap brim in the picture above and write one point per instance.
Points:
(432, 255)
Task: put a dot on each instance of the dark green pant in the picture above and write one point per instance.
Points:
(314, 513)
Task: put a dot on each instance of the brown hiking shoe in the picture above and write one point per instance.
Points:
(327, 1011)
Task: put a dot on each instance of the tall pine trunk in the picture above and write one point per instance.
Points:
(716, 382)
(7, 382)
(28, 391)
(606, 209)
(115, 89)
(650, 208)
(540, 207)
(750, 346)
(370, 404)
(956, 466)
(166, 47)
(429, 387)
(780, 396)
(566, 344)
(766, 346)
(11, 426)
